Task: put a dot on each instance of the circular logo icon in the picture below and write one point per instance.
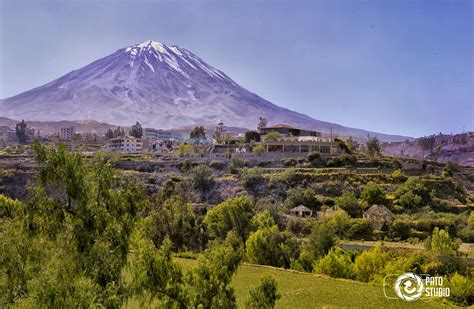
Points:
(409, 287)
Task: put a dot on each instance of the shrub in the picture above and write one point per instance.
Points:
(462, 290)
(373, 194)
(251, 179)
(413, 194)
(315, 158)
(265, 295)
(369, 263)
(349, 203)
(398, 176)
(301, 196)
(202, 178)
(442, 244)
(234, 165)
(359, 229)
(289, 161)
(258, 150)
(269, 246)
(337, 264)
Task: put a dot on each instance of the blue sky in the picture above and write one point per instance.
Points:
(401, 67)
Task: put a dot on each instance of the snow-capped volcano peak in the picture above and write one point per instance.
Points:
(152, 54)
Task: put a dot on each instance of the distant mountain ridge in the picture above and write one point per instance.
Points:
(160, 86)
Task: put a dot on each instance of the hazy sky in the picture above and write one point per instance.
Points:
(402, 67)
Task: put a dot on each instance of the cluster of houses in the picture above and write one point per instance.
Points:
(288, 140)
(377, 215)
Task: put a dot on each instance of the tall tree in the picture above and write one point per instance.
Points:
(198, 132)
(136, 130)
(373, 147)
(21, 132)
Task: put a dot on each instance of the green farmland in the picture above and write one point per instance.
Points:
(304, 290)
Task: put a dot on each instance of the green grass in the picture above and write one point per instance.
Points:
(304, 290)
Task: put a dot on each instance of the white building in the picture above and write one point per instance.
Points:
(154, 134)
(7, 136)
(66, 133)
(127, 144)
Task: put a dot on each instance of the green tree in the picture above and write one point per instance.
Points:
(251, 179)
(271, 136)
(202, 179)
(155, 276)
(73, 235)
(185, 150)
(208, 285)
(373, 194)
(258, 149)
(231, 215)
(369, 263)
(373, 147)
(413, 194)
(321, 240)
(449, 169)
(352, 144)
(340, 221)
(252, 136)
(136, 130)
(462, 289)
(442, 244)
(21, 129)
(265, 295)
(349, 203)
(269, 246)
(301, 196)
(109, 134)
(174, 219)
(427, 143)
(337, 264)
(198, 133)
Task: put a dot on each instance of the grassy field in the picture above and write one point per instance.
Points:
(302, 290)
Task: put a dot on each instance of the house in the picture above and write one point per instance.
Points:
(287, 131)
(328, 213)
(301, 211)
(154, 134)
(378, 215)
(7, 136)
(302, 144)
(128, 144)
(66, 133)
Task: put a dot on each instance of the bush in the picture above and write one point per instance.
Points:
(373, 194)
(359, 229)
(442, 244)
(258, 150)
(462, 290)
(251, 179)
(289, 162)
(398, 176)
(349, 203)
(337, 264)
(301, 196)
(202, 178)
(269, 246)
(234, 165)
(369, 263)
(315, 158)
(265, 295)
